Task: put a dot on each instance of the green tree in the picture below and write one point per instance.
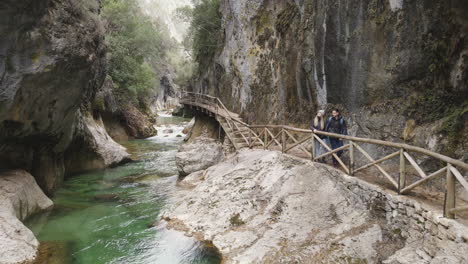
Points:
(204, 36)
(135, 42)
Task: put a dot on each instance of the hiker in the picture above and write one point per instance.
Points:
(318, 124)
(336, 124)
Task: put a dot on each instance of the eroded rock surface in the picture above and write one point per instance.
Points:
(281, 61)
(198, 155)
(93, 148)
(20, 197)
(265, 207)
(52, 61)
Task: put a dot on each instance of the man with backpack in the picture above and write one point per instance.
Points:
(337, 125)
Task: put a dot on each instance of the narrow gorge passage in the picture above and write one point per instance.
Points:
(108, 216)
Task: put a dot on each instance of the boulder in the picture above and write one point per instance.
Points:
(198, 155)
(189, 126)
(20, 197)
(265, 207)
(93, 148)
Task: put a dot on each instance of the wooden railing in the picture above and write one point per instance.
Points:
(286, 138)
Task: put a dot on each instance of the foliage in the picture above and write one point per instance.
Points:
(204, 35)
(135, 43)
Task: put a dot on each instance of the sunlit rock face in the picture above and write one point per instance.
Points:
(52, 62)
(389, 61)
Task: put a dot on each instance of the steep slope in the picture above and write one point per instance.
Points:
(391, 65)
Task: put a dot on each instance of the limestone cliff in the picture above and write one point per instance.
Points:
(52, 62)
(393, 66)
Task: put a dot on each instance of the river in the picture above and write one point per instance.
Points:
(111, 216)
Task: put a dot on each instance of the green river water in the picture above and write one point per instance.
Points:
(111, 216)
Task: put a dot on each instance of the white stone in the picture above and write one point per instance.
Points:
(20, 197)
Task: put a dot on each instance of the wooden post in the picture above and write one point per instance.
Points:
(351, 158)
(265, 139)
(283, 140)
(450, 194)
(312, 146)
(250, 139)
(402, 176)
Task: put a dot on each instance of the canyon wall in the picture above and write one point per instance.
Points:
(52, 63)
(397, 69)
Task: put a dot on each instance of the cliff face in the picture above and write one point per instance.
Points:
(52, 63)
(391, 65)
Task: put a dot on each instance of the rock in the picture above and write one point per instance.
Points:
(265, 207)
(281, 61)
(54, 252)
(189, 126)
(121, 119)
(198, 155)
(178, 111)
(168, 131)
(93, 148)
(179, 135)
(53, 61)
(109, 197)
(20, 197)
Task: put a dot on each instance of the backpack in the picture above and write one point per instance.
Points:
(341, 121)
(330, 119)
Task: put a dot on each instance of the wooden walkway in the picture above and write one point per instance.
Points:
(302, 142)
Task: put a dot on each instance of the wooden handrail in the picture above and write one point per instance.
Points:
(453, 175)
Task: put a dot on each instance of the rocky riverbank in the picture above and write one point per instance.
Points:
(20, 197)
(266, 207)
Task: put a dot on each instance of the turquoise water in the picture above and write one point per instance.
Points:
(110, 216)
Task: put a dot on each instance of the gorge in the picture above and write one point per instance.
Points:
(86, 140)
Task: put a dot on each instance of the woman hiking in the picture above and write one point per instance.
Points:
(318, 124)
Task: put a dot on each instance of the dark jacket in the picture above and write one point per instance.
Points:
(337, 126)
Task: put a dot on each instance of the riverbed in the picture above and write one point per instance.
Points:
(111, 216)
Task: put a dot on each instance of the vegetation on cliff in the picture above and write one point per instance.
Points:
(136, 43)
(204, 35)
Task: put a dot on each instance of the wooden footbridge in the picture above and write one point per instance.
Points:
(302, 141)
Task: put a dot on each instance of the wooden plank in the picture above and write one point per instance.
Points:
(402, 175)
(231, 139)
(274, 138)
(351, 158)
(296, 142)
(257, 137)
(312, 147)
(225, 112)
(334, 155)
(450, 194)
(416, 184)
(459, 177)
(378, 161)
(377, 166)
(242, 134)
(333, 151)
(415, 165)
(407, 147)
(458, 209)
(283, 140)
